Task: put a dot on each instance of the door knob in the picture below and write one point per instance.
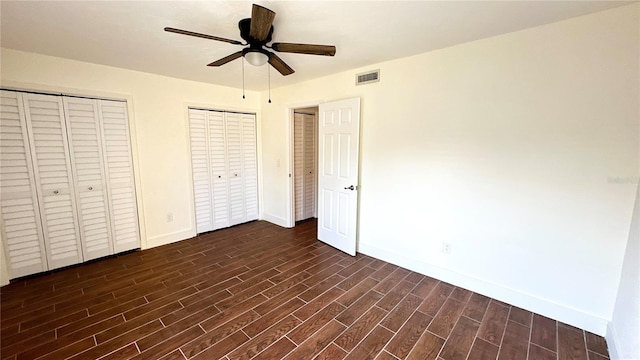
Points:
(56, 192)
(350, 188)
(90, 187)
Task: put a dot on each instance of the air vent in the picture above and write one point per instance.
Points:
(368, 77)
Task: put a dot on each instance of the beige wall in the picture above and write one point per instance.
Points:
(158, 119)
(508, 148)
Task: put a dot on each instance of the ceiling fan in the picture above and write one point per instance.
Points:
(257, 32)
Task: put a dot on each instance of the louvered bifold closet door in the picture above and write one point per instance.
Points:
(309, 166)
(52, 168)
(119, 174)
(219, 170)
(85, 143)
(298, 165)
(20, 220)
(202, 191)
(234, 162)
(250, 166)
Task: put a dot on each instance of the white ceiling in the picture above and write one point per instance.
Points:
(129, 34)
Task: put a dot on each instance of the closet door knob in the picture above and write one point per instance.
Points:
(56, 192)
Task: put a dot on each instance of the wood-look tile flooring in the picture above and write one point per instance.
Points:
(262, 292)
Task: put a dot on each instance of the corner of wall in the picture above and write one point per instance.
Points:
(623, 332)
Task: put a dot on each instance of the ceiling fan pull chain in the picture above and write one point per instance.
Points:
(243, 77)
(269, 76)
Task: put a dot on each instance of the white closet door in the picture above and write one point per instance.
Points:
(304, 165)
(234, 162)
(119, 174)
(202, 189)
(309, 166)
(85, 142)
(219, 171)
(56, 197)
(20, 220)
(298, 165)
(250, 166)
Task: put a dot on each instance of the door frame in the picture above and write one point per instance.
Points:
(291, 206)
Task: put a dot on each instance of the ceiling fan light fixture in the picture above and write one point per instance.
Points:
(256, 57)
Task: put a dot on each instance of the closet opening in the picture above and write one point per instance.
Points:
(304, 164)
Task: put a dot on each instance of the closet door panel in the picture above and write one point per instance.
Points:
(20, 214)
(56, 198)
(234, 162)
(309, 166)
(219, 170)
(298, 165)
(202, 189)
(250, 167)
(119, 174)
(85, 142)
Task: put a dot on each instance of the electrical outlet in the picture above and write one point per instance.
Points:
(169, 217)
(446, 247)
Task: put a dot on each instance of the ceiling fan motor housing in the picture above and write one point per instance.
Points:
(245, 29)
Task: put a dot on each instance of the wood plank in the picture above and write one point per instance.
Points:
(483, 350)
(446, 318)
(539, 353)
(317, 342)
(493, 323)
(571, 343)
(408, 335)
(515, 342)
(426, 348)
(459, 342)
(476, 307)
(358, 330)
(543, 332)
(369, 348)
(596, 343)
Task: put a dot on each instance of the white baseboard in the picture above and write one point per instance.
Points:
(565, 314)
(275, 220)
(169, 238)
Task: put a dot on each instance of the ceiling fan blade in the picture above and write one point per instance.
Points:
(280, 65)
(204, 36)
(261, 20)
(326, 50)
(226, 59)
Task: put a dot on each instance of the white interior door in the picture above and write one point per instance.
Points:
(85, 142)
(219, 174)
(304, 167)
(250, 166)
(121, 189)
(234, 162)
(56, 195)
(298, 165)
(338, 133)
(20, 214)
(309, 134)
(200, 169)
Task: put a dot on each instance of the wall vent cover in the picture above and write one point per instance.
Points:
(368, 77)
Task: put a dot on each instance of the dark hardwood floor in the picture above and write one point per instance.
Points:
(257, 291)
